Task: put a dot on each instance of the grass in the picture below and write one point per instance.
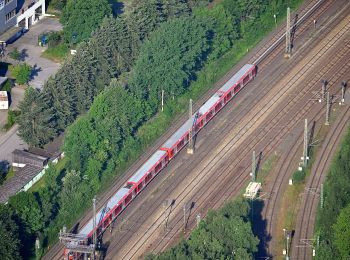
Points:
(57, 53)
(266, 168)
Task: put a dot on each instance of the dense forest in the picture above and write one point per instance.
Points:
(332, 225)
(106, 99)
(223, 234)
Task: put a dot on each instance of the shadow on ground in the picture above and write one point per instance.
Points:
(259, 229)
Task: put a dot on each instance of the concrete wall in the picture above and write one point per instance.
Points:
(29, 15)
(5, 9)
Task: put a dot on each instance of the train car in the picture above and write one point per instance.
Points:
(209, 109)
(119, 201)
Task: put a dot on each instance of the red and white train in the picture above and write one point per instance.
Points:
(122, 198)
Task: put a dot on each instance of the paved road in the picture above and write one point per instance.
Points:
(10, 141)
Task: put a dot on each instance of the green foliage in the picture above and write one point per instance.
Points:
(336, 198)
(9, 242)
(56, 53)
(15, 54)
(298, 177)
(81, 17)
(170, 59)
(35, 119)
(28, 209)
(12, 116)
(223, 234)
(342, 233)
(21, 72)
(57, 4)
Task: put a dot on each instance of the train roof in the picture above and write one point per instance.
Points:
(178, 134)
(209, 104)
(235, 78)
(158, 155)
(113, 201)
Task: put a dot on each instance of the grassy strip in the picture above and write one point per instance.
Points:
(57, 53)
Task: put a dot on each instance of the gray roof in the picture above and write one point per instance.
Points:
(146, 167)
(113, 201)
(235, 78)
(28, 155)
(209, 104)
(178, 134)
(18, 181)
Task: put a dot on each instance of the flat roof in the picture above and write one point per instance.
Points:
(158, 155)
(235, 78)
(113, 201)
(18, 181)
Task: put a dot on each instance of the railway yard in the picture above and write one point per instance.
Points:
(267, 117)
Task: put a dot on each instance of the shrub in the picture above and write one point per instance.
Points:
(21, 72)
(298, 177)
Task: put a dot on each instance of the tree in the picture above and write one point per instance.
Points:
(9, 242)
(28, 209)
(170, 59)
(36, 125)
(81, 17)
(21, 72)
(342, 233)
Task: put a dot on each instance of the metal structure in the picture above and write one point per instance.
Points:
(190, 141)
(162, 100)
(288, 52)
(328, 108)
(343, 87)
(287, 237)
(321, 196)
(306, 145)
(324, 89)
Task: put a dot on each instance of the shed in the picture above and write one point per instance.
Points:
(21, 158)
(4, 101)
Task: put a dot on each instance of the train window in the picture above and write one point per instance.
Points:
(140, 186)
(246, 79)
(117, 210)
(229, 95)
(180, 144)
(217, 107)
(209, 115)
(158, 167)
(148, 177)
(237, 88)
(128, 198)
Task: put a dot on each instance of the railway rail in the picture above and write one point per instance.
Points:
(174, 127)
(212, 185)
(303, 239)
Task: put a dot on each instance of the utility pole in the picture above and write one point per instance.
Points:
(162, 100)
(328, 107)
(324, 89)
(190, 138)
(288, 52)
(274, 16)
(321, 195)
(305, 155)
(253, 166)
(185, 217)
(94, 224)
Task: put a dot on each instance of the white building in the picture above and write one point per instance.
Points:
(4, 102)
(31, 12)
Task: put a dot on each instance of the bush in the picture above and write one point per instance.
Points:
(21, 72)
(54, 39)
(298, 177)
(12, 116)
(15, 54)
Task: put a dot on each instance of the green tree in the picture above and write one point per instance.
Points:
(81, 17)
(36, 125)
(342, 233)
(21, 72)
(29, 210)
(170, 59)
(9, 242)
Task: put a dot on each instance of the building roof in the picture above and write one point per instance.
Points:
(28, 155)
(17, 182)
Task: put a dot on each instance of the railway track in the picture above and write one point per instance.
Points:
(303, 239)
(213, 185)
(164, 137)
